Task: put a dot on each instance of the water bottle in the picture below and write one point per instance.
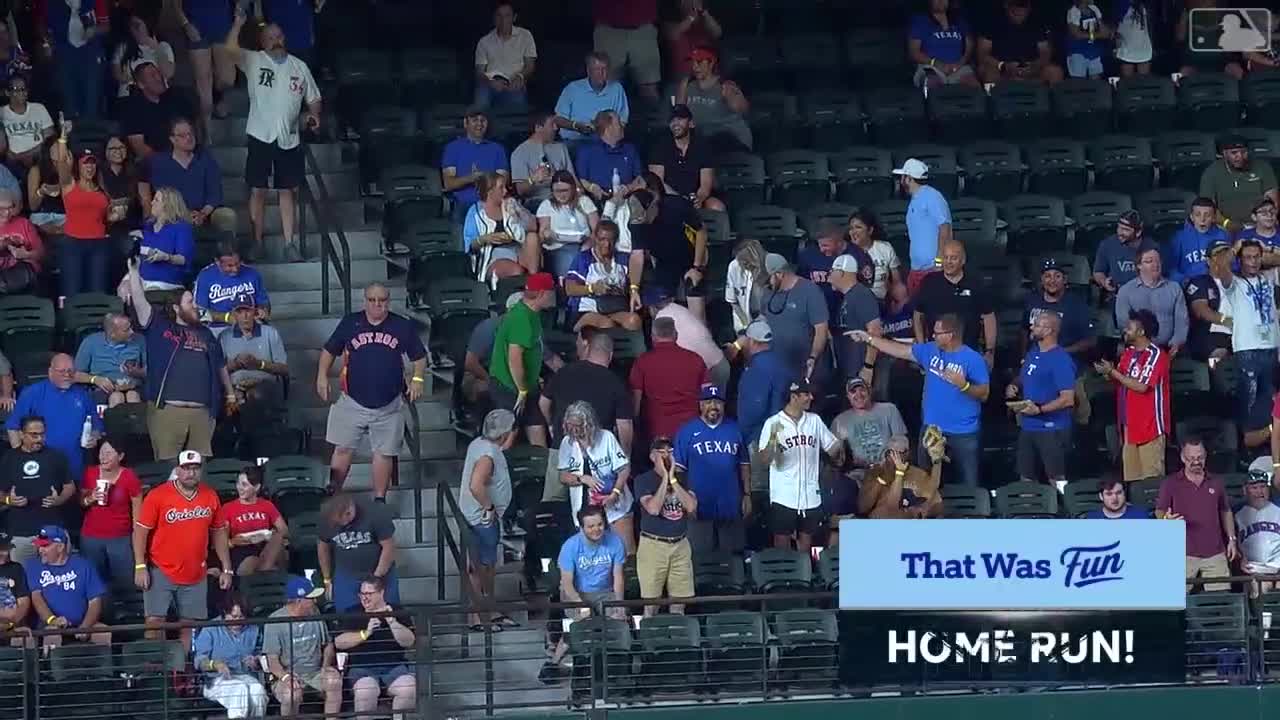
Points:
(617, 181)
(86, 433)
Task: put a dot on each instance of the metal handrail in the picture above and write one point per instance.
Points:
(444, 538)
(413, 429)
(339, 253)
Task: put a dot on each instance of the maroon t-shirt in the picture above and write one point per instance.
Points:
(670, 379)
(1201, 508)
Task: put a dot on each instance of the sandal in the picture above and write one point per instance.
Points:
(502, 621)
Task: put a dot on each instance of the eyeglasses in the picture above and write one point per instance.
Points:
(367, 593)
(116, 148)
(379, 300)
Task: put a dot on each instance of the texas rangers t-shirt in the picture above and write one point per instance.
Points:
(249, 519)
(592, 563)
(373, 369)
(1259, 530)
(793, 475)
(180, 525)
(66, 588)
(1045, 375)
(712, 458)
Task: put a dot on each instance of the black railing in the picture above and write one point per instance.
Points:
(413, 430)
(334, 248)
(447, 509)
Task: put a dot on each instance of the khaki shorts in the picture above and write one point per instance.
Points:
(174, 429)
(1214, 566)
(666, 565)
(633, 48)
(1143, 461)
(349, 422)
(314, 680)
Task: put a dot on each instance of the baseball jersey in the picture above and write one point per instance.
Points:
(67, 588)
(179, 542)
(712, 458)
(1259, 530)
(242, 519)
(604, 460)
(793, 474)
(277, 91)
(373, 367)
(1145, 415)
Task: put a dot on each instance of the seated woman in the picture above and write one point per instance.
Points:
(495, 229)
(941, 45)
(597, 284)
(226, 656)
(44, 191)
(719, 106)
(168, 243)
(257, 530)
(565, 222)
(21, 249)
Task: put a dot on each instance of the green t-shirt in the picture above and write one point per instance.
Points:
(519, 326)
(1237, 191)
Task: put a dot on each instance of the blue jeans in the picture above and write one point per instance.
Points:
(965, 450)
(84, 265)
(1254, 386)
(79, 74)
(488, 97)
(111, 557)
(346, 589)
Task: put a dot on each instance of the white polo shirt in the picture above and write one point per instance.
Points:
(505, 57)
(277, 91)
(793, 474)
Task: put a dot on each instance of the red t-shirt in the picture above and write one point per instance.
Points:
(670, 379)
(19, 232)
(180, 527)
(114, 519)
(625, 13)
(1145, 416)
(241, 518)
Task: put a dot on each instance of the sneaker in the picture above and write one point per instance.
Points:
(550, 674)
(293, 252)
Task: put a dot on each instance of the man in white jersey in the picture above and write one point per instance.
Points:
(791, 443)
(279, 83)
(1258, 524)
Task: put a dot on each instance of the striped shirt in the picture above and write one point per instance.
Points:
(1145, 416)
(793, 475)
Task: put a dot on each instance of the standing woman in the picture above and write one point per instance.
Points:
(206, 24)
(73, 43)
(866, 232)
(168, 242)
(84, 253)
(746, 283)
(111, 496)
(141, 46)
(120, 180)
(596, 469)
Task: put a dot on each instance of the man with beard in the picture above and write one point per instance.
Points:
(792, 443)
(1254, 333)
(279, 84)
(1076, 334)
(1116, 261)
(186, 372)
(1236, 181)
(1144, 395)
(684, 162)
(928, 221)
(34, 484)
(712, 454)
(1258, 523)
(798, 315)
(1113, 492)
(895, 489)
(1047, 385)
(1200, 499)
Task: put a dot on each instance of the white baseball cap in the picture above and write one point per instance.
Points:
(190, 457)
(845, 263)
(914, 169)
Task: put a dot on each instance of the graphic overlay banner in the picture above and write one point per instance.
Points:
(1012, 565)
(1229, 30)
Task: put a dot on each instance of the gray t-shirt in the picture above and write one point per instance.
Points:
(857, 308)
(299, 644)
(867, 433)
(356, 546)
(482, 336)
(265, 345)
(499, 482)
(528, 155)
(713, 114)
(792, 314)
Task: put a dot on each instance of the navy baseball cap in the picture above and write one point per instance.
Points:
(1049, 264)
(800, 386)
(244, 300)
(6, 540)
(711, 392)
(50, 534)
(1218, 246)
(299, 588)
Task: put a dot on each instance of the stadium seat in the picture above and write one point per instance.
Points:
(1217, 627)
(1146, 104)
(1057, 167)
(773, 226)
(893, 218)
(456, 297)
(1222, 378)
(221, 474)
(719, 230)
(837, 213)
(1189, 381)
(82, 683)
(388, 135)
(718, 573)
(151, 474)
(435, 253)
(944, 173)
(1020, 109)
(1220, 438)
(829, 569)
(1076, 268)
(527, 464)
(1183, 157)
(753, 61)
(973, 222)
(27, 324)
(741, 179)
(600, 647)
(999, 272)
(875, 59)
(1260, 96)
(1082, 107)
(1262, 142)
(92, 133)
(735, 642)
(304, 535)
(810, 60)
(431, 75)
(127, 422)
(264, 592)
(1023, 499)
(773, 121)
(781, 570)
(832, 120)
(296, 483)
(863, 175)
(365, 78)
(1081, 496)
(150, 667)
(1037, 224)
(405, 183)
(1164, 212)
(1208, 101)
(1122, 163)
(808, 646)
(1234, 483)
(30, 367)
(1144, 492)
(81, 316)
(799, 178)
(993, 169)
(1096, 215)
(958, 114)
(895, 116)
(13, 679)
(670, 654)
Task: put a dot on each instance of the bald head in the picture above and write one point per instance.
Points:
(953, 257)
(62, 371)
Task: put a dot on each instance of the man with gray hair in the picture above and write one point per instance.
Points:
(111, 360)
(666, 382)
(582, 99)
(21, 247)
(483, 497)
(798, 314)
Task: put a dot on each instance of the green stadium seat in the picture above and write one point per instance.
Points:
(221, 475)
(1020, 109)
(1081, 496)
(808, 647)
(435, 253)
(296, 482)
(775, 227)
(735, 642)
(829, 569)
(799, 178)
(1023, 499)
(1222, 378)
(81, 316)
(13, 679)
(1220, 438)
(973, 222)
(1263, 143)
(670, 654)
(832, 120)
(959, 114)
(1075, 267)
(431, 73)
(741, 179)
(1164, 212)
(601, 648)
(892, 214)
(1144, 492)
(1217, 623)
(627, 346)
(875, 59)
(1002, 273)
(1122, 163)
(773, 120)
(263, 592)
(1037, 224)
(832, 212)
(1234, 483)
(781, 570)
(1057, 167)
(719, 230)
(388, 135)
(1146, 104)
(27, 324)
(752, 61)
(1260, 95)
(304, 535)
(1183, 157)
(1189, 380)
(1208, 101)
(410, 193)
(81, 683)
(440, 124)
(895, 116)
(1096, 215)
(863, 175)
(30, 367)
(527, 463)
(993, 169)
(450, 295)
(151, 474)
(944, 173)
(718, 573)
(1082, 107)
(365, 78)
(811, 60)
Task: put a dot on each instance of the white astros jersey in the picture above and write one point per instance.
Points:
(794, 472)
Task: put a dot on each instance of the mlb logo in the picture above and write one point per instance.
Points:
(1229, 30)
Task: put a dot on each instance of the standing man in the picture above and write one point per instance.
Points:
(662, 253)
(797, 314)
(956, 383)
(816, 261)
(466, 159)
(762, 393)
(581, 100)
(505, 59)
(1200, 500)
(666, 383)
(590, 379)
(1163, 298)
(711, 453)
(1258, 523)
(1076, 318)
(1144, 397)
(664, 559)
(35, 484)
(171, 545)
(1209, 327)
(792, 443)
(1254, 333)
(691, 333)
(858, 310)
(957, 292)
(279, 85)
(372, 344)
(64, 407)
(627, 31)
(1235, 182)
(928, 221)
(186, 372)
(1116, 261)
(1047, 385)
(516, 362)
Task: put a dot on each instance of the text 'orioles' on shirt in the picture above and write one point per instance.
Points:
(67, 588)
(179, 523)
(793, 479)
(1259, 530)
(373, 370)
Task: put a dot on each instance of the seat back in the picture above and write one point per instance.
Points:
(1037, 224)
(221, 474)
(874, 58)
(155, 473)
(973, 222)
(992, 169)
(82, 315)
(1146, 103)
(1209, 101)
(1057, 167)
(1020, 108)
(1096, 215)
(295, 474)
(1183, 157)
(456, 293)
(1082, 107)
(1081, 496)
(1144, 492)
(800, 178)
(1260, 93)
(829, 568)
(527, 463)
(959, 113)
(895, 115)
(781, 570)
(836, 213)
(1026, 499)
(264, 591)
(26, 323)
(741, 177)
(944, 173)
(1164, 211)
(1262, 143)
(1123, 163)
(766, 222)
(863, 174)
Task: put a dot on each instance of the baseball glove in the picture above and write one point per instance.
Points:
(934, 443)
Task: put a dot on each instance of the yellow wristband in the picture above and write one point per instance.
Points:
(49, 620)
(140, 566)
(364, 634)
(635, 288)
(418, 379)
(966, 386)
(93, 379)
(262, 364)
(933, 62)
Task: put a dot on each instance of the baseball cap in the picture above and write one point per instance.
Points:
(681, 111)
(800, 386)
(703, 53)
(845, 263)
(299, 588)
(1132, 218)
(50, 534)
(654, 294)
(190, 457)
(1231, 141)
(514, 299)
(1218, 246)
(711, 392)
(6, 540)
(244, 300)
(759, 331)
(474, 110)
(1049, 264)
(774, 263)
(662, 442)
(854, 382)
(540, 282)
(86, 154)
(914, 169)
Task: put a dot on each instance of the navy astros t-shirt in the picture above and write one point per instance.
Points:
(374, 369)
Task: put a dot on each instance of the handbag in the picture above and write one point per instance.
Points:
(610, 304)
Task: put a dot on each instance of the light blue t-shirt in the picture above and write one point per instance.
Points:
(592, 563)
(99, 356)
(944, 405)
(927, 211)
(580, 102)
(1045, 374)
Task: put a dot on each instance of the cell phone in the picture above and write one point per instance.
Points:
(135, 250)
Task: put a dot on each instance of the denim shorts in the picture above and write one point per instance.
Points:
(382, 673)
(485, 540)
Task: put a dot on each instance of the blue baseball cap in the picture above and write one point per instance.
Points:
(1217, 246)
(299, 588)
(711, 392)
(244, 300)
(50, 534)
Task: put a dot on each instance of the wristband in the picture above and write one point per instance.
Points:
(899, 473)
(140, 566)
(966, 386)
(49, 620)
(209, 666)
(93, 379)
(262, 364)
(869, 366)
(327, 581)
(418, 379)
(1275, 465)
(933, 62)
(1226, 223)
(364, 635)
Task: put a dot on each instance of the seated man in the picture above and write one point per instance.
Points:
(1112, 491)
(111, 361)
(300, 654)
(608, 155)
(15, 598)
(1258, 524)
(66, 591)
(684, 161)
(257, 363)
(219, 284)
(1016, 47)
(375, 642)
(898, 490)
(194, 173)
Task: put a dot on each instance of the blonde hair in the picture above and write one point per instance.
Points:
(750, 257)
(172, 207)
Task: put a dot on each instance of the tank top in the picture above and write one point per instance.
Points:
(713, 115)
(86, 214)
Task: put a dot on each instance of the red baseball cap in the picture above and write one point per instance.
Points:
(703, 53)
(540, 282)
